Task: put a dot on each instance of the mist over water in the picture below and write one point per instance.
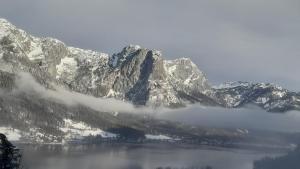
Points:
(250, 117)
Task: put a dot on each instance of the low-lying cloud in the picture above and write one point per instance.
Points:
(26, 83)
(250, 117)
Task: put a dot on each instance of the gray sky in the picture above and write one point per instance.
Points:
(248, 40)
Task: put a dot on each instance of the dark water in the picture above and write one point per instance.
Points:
(136, 157)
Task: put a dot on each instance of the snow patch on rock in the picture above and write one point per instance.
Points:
(66, 69)
(36, 52)
(279, 93)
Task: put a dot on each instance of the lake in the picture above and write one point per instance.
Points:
(130, 156)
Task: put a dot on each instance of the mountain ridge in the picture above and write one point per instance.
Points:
(138, 75)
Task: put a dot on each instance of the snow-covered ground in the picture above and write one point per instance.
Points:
(78, 130)
(157, 137)
(11, 134)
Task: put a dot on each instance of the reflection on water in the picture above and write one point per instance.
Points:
(135, 157)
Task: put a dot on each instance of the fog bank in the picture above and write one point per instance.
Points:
(250, 117)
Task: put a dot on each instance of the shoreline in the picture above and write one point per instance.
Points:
(164, 145)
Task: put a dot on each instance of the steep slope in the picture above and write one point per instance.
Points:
(135, 74)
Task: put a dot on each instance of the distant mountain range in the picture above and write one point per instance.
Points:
(136, 75)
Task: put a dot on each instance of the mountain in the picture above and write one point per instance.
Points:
(268, 96)
(136, 75)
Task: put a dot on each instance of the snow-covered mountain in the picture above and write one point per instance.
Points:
(268, 96)
(137, 75)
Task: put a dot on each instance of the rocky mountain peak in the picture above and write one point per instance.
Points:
(132, 52)
(6, 26)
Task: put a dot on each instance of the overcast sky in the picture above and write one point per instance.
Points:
(247, 40)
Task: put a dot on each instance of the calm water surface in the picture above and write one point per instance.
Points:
(136, 157)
